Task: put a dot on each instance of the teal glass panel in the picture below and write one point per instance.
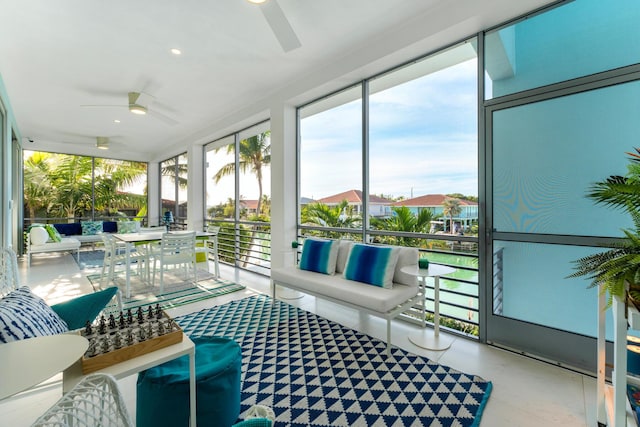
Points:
(535, 287)
(574, 40)
(547, 154)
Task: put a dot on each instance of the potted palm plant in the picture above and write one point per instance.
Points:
(617, 268)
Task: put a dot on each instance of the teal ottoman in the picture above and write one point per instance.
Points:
(163, 391)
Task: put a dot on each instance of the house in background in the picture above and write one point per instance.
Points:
(378, 206)
(435, 203)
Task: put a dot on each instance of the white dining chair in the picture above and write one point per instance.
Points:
(210, 247)
(177, 248)
(113, 257)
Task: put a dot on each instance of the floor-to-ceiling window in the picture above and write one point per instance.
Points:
(237, 187)
(556, 123)
(69, 188)
(173, 189)
(393, 160)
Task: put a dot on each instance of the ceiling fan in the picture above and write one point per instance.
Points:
(279, 24)
(139, 103)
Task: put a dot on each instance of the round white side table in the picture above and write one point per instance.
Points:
(428, 339)
(26, 363)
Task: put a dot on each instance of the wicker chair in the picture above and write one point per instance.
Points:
(95, 401)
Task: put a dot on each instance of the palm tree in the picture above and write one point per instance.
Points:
(339, 216)
(404, 220)
(451, 207)
(37, 187)
(254, 155)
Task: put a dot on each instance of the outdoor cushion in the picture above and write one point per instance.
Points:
(76, 312)
(109, 226)
(128, 226)
(54, 235)
(91, 228)
(374, 265)
(69, 229)
(25, 315)
(319, 255)
(38, 236)
(163, 391)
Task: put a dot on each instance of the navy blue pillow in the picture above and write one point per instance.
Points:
(110, 226)
(70, 229)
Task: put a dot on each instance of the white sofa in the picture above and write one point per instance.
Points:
(378, 301)
(38, 242)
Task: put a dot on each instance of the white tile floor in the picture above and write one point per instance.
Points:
(526, 392)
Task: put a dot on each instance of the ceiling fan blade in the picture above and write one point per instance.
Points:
(104, 105)
(168, 120)
(280, 25)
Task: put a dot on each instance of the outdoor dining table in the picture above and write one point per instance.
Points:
(131, 239)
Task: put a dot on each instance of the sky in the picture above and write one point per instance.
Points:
(423, 140)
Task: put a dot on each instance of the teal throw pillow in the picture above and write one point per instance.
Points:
(319, 256)
(91, 228)
(75, 312)
(54, 235)
(374, 265)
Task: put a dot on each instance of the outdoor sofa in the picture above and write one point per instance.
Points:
(367, 278)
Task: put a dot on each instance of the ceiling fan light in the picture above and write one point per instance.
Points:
(102, 142)
(137, 109)
(257, 1)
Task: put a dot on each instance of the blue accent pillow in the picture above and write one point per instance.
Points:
(374, 265)
(25, 315)
(91, 228)
(69, 228)
(319, 256)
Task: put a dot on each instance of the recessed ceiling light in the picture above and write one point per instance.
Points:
(116, 121)
(257, 1)
(176, 51)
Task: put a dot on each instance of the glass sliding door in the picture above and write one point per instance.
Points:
(545, 155)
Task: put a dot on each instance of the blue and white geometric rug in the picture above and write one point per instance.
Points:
(315, 372)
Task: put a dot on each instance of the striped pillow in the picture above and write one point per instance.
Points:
(374, 265)
(25, 315)
(319, 256)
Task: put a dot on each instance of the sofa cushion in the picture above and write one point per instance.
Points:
(38, 236)
(25, 315)
(69, 229)
(109, 226)
(54, 235)
(343, 253)
(91, 228)
(338, 288)
(374, 265)
(128, 226)
(319, 255)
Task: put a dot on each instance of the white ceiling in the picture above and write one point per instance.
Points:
(56, 56)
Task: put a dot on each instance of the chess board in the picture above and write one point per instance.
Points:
(122, 337)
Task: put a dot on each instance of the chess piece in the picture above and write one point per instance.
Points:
(88, 330)
(161, 330)
(121, 321)
(158, 311)
(129, 317)
(102, 328)
(129, 337)
(105, 345)
(140, 315)
(117, 342)
(141, 334)
(112, 321)
(150, 330)
(150, 313)
(91, 351)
